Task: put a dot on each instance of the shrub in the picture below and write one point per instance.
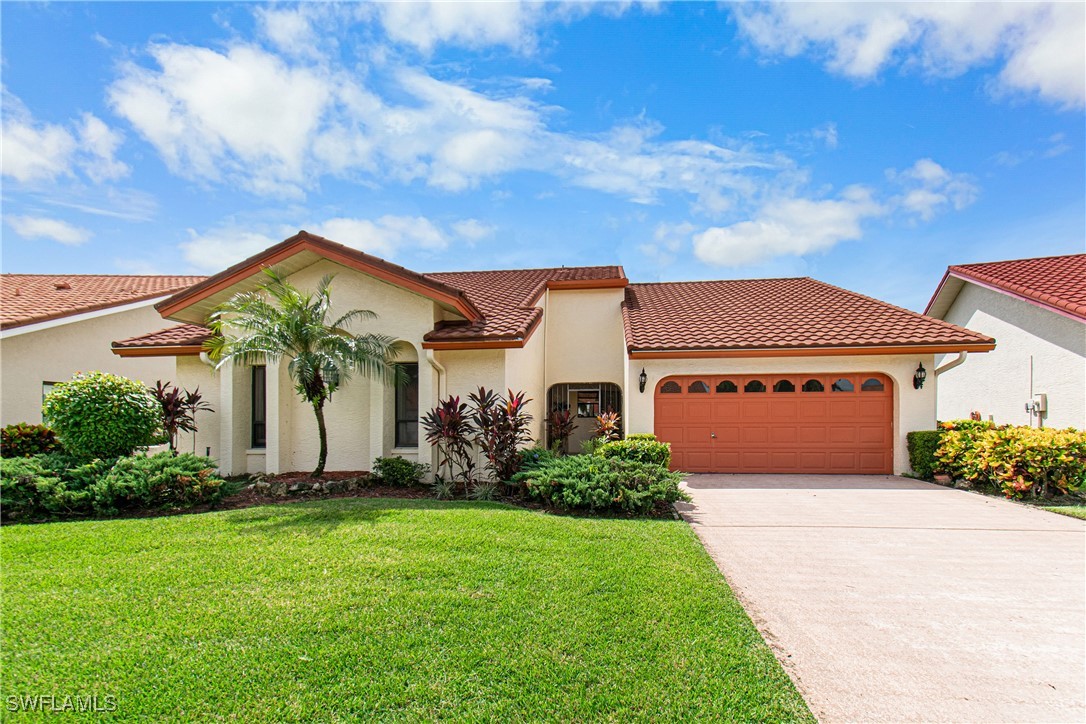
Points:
(602, 485)
(646, 451)
(24, 440)
(98, 415)
(24, 483)
(960, 449)
(641, 436)
(535, 457)
(502, 429)
(158, 481)
(399, 472)
(608, 426)
(179, 408)
(922, 446)
(560, 424)
(449, 428)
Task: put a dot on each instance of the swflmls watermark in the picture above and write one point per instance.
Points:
(76, 703)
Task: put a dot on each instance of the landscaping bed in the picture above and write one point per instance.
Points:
(384, 609)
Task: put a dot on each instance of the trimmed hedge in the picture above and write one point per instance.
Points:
(639, 449)
(99, 415)
(602, 485)
(399, 472)
(922, 446)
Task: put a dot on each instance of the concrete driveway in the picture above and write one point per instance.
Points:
(889, 599)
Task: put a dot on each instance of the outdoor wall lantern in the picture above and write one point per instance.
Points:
(642, 379)
(919, 377)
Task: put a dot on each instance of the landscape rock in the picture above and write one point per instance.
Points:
(277, 488)
(335, 486)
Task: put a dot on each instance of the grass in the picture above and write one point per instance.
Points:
(387, 609)
(1075, 511)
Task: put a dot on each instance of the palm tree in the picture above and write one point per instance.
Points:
(279, 320)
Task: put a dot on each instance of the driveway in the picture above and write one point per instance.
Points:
(889, 599)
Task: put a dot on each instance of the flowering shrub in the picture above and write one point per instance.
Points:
(1017, 459)
(98, 415)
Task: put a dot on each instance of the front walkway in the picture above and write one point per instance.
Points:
(889, 599)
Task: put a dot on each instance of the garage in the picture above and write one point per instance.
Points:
(830, 423)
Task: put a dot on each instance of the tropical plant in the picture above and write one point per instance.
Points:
(99, 415)
(179, 408)
(502, 428)
(560, 424)
(279, 320)
(608, 426)
(24, 440)
(449, 428)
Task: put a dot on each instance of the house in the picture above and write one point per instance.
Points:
(1036, 308)
(53, 325)
(768, 375)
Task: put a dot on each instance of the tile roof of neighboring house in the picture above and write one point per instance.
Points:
(181, 335)
(1057, 282)
(507, 299)
(30, 298)
(772, 314)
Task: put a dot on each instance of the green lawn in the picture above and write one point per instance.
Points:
(394, 609)
(1075, 511)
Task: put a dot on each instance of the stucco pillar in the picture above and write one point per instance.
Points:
(271, 444)
(226, 409)
(377, 421)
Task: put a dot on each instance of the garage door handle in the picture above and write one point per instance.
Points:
(712, 434)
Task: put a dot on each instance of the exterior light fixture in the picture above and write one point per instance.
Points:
(919, 377)
(642, 379)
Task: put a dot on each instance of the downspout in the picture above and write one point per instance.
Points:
(951, 364)
(440, 373)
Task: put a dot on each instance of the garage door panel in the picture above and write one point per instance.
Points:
(820, 431)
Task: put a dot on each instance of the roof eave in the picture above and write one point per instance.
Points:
(172, 350)
(827, 351)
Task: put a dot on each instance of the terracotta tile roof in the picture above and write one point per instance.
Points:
(1058, 282)
(181, 335)
(774, 314)
(29, 298)
(507, 299)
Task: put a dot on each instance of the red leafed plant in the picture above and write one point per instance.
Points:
(503, 428)
(608, 426)
(449, 428)
(560, 426)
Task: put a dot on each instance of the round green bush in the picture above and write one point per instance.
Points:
(98, 415)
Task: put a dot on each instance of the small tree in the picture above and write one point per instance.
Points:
(99, 415)
(279, 320)
(179, 408)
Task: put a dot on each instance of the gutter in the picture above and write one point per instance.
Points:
(946, 367)
(441, 375)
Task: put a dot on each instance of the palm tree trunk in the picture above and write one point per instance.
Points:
(318, 410)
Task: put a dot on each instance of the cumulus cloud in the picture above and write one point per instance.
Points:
(1040, 48)
(471, 24)
(40, 227)
(667, 242)
(35, 151)
(930, 189)
(473, 230)
(791, 226)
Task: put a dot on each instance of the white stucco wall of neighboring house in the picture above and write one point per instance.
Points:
(586, 341)
(1036, 349)
(56, 351)
(913, 409)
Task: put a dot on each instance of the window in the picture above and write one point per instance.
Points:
(670, 388)
(726, 386)
(872, 385)
(260, 407)
(843, 385)
(754, 386)
(698, 386)
(46, 388)
(407, 408)
(784, 386)
(813, 386)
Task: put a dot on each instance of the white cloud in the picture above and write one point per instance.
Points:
(385, 236)
(1040, 47)
(792, 226)
(37, 152)
(668, 241)
(39, 227)
(472, 24)
(929, 189)
(473, 230)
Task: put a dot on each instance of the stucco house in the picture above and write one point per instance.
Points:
(54, 325)
(767, 375)
(1036, 308)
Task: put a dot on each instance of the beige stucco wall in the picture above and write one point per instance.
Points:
(56, 353)
(913, 409)
(525, 371)
(585, 336)
(193, 374)
(998, 383)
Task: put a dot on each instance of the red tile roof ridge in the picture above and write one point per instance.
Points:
(1024, 258)
(531, 269)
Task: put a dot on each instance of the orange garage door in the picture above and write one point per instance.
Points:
(824, 423)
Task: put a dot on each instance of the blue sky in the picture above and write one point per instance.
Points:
(865, 145)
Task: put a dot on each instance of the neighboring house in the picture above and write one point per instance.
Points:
(1036, 308)
(772, 375)
(54, 325)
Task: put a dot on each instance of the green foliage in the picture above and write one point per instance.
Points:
(60, 486)
(24, 440)
(502, 425)
(602, 485)
(651, 451)
(99, 415)
(641, 436)
(608, 426)
(398, 472)
(535, 457)
(279, 320)
(560, 424)
(922, 446)
(1018, 460)
(179, 408)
